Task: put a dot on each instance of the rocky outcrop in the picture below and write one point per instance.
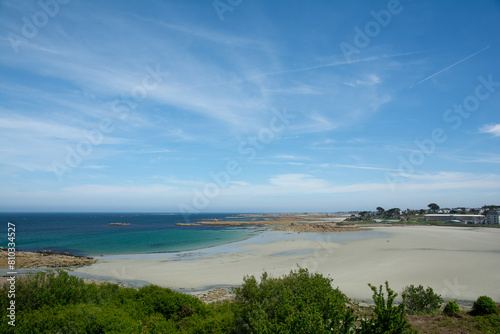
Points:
(44, 259)
(215, 295)
(316, 228)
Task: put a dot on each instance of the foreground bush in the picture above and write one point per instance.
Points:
(388, 318)
(423, 300)
(484, 305)
(298, 303)
(170, 304)
(60, 303)
(451, 309)
(81, 318)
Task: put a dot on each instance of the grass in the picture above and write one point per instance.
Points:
(438, 323)
(462, 323)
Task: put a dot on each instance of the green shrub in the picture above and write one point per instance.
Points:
(170, 304)
(157, 324)
(423, 300)
(81, 318)
(487, 323)
(219, 319)
(60, 303)
(484, 305)
(388, 317)
(296, 303)
(48, 289)
(451, 309)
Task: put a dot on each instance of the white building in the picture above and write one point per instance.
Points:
(474, 219)
(493, 217)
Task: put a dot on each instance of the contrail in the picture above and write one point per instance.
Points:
(447, 68)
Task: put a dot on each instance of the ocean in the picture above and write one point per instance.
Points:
(88, 234)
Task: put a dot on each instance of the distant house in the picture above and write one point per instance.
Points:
(493, 217)
(468, 219)
(437, 217)
(385, 220)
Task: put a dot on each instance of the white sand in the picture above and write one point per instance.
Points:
(458, 263)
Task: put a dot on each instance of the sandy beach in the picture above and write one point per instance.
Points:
(458, 263)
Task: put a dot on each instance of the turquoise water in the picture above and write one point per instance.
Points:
(89, 233)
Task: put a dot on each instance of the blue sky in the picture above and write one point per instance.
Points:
(248, 106)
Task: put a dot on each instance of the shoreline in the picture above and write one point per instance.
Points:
(266, 219)
(458, 263)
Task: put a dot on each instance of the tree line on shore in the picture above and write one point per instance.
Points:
(432, 208)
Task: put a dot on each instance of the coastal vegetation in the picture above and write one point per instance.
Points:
(386, 317)
(484, 305)
(421, 300)
(451, 309)
(300, 302)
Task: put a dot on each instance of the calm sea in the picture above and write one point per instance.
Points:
(89, 233)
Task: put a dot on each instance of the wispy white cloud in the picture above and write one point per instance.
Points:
(298, 90)
(289, 156)
(440, 181)
(314, 122)
(97, 197)
(91, 190)
(368, 80)
(39, 128)
(443, 181)
(308, 184)
(493, 129)
(33, 144)
(297, 181)
(339, 61)
(491, 159)
(212, 35)
(95, 167)
(367, 167)
(229, 87)
(157, 151)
